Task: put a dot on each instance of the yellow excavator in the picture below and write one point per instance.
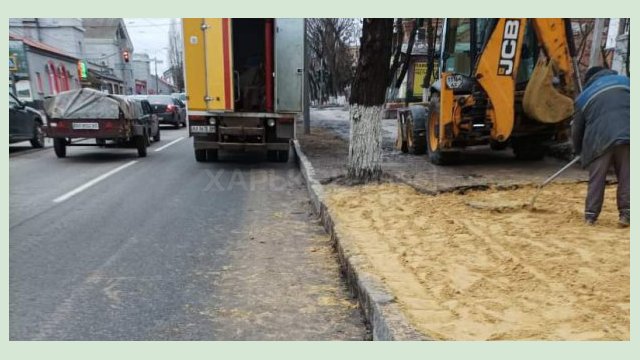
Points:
(502, 82)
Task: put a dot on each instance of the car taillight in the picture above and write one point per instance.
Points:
(170, 107)
(108, 125)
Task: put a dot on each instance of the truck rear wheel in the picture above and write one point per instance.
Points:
(283, 156)
(60, 147)
(436, 155)
(201, 155)
(212, 154)
(272, 155)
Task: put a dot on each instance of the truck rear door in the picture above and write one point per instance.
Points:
(289, 59)
(208, 64)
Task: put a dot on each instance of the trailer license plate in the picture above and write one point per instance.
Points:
(86, 126)
(203, 129)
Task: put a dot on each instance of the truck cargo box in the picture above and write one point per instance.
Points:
(244, 83)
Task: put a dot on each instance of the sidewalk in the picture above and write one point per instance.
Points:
(470, 264)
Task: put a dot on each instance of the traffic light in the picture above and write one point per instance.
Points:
(125, 56)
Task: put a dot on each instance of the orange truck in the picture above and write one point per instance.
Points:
(244, 84)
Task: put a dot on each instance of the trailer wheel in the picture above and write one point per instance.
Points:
(60, 147)
(212, 154)
(201, 155)
(141, 144)
(436, 155)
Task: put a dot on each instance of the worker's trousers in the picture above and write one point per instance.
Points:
(619, 158)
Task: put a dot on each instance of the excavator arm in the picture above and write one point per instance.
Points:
(498, 67)
(543, 101)
(558, 45)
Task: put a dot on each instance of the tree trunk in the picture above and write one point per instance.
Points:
(407, 59)
(366, 101)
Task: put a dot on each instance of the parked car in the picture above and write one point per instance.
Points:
(25, 123)
(146, 115)
(169, 110)
(180, 96)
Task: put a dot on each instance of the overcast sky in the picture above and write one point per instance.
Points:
(150, 35)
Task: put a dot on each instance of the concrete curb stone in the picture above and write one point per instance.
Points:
(378, 305)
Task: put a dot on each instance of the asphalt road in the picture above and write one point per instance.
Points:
(108, 246)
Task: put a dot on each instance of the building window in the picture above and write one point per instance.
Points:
(63, 77)
(39, 83)
(54, 86)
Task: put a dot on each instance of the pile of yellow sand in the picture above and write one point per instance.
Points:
(481, 266)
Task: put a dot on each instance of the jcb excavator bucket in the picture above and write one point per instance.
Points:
(542, 101)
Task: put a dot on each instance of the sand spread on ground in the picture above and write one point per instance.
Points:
(497, 270)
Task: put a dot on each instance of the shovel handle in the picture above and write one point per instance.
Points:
(552, 177)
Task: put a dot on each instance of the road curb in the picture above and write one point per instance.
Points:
(378, 305)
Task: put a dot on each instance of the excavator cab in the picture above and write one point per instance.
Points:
(464, 40)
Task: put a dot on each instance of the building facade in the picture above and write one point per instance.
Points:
(159, 86)
(66, 34)
(107, 43)
(141, 72)
(38, 70)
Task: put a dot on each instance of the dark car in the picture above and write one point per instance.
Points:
(169, 110)
(25, 123)
(146, 115)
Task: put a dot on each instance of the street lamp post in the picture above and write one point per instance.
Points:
(156, 61)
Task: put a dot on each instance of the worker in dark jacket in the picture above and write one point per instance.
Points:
(600, 134)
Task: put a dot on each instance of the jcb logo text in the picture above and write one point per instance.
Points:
(508, 48)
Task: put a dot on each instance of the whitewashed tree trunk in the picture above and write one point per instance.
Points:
(365, 143)
(367, 99)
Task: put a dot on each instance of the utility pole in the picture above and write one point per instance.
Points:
(305, 84)
(596, 40)
(156, 61)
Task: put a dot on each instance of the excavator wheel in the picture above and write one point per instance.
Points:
(498, 145)
(416, 134)
(436, 155)
(401, 141)
(528, 149)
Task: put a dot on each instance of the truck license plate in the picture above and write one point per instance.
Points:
(85, 126)
(203, 129)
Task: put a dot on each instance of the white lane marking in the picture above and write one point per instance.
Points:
(93, 182)
(169, 144)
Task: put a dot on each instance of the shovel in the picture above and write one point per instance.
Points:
(551, 178)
